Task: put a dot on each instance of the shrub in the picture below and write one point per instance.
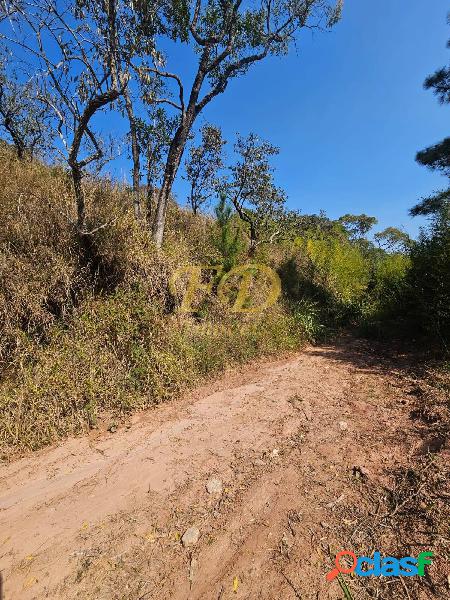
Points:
(429, 281)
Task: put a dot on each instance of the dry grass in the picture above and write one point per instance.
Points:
(412, 514)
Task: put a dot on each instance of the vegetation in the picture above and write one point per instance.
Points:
(428, 282)
(89, 325)
(202, 167)
(99, 55)
(90, 330)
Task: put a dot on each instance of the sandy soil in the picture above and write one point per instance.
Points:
(101, 517)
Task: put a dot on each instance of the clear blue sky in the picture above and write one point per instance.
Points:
(348, 110)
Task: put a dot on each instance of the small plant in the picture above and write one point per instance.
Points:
(307, 315)
(228, 241)
(344, 588)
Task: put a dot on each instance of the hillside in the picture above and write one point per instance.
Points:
(91, 327)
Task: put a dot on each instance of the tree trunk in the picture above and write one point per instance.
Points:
(243, 215)
(20, 151)
(77, 166)
(17, 141)
(77, 177)
(176, 150)
(150, 195)
(136, 188)
(253, 240)
(161, 210)
(135, 154)
(173, 162)
(193, 203)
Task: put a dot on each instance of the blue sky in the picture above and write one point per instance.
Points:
(348, 110)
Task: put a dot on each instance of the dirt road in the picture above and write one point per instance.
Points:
(101, 517)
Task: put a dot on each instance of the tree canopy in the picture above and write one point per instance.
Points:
(436, 157)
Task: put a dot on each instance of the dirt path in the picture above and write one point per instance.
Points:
(101, 518)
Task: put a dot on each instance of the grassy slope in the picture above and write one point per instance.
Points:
(88, 331)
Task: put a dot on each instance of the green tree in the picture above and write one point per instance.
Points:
(251, 189)
(430, 257)
(431, 205)
(430, 279)
(357, 226)
(202, 166)
(154, 135)
(228, 241)
(436, 157)
(393, 239)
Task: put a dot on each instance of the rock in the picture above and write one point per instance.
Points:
(112, 428)
(275, 452)
(214, 486)
(343, 425)
(360, 473)
(190, 537)
(259, 462)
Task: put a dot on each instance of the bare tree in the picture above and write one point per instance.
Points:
(22, 115)
(202, 166)
(154, 136)
(136, 34)
(78, 63)
(228, 37)
(251, 189)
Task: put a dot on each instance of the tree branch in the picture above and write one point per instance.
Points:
(229, 72)
(177, 79)
(167, 101)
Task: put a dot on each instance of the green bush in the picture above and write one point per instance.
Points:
(429, 281)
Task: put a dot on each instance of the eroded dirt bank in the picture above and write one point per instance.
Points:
(293, 442)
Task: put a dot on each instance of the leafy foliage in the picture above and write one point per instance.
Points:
(440, 83)
(393, 239)
(437, 157)
(431, 205)
(154, 137)
(228, 241)
(357, 226)
(430, 280)
(251, 188)
(203, 165)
